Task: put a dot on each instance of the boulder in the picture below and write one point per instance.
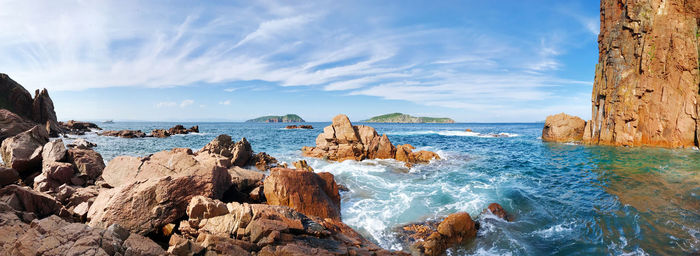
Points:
(23, 151)
(307, 192)
(44, 114)
(53, 151)
(221, 145)
(81, 144)
(12, 124)
(342, 141)
(563, 128)
(25, 199)
(433, 238)
(156, 201)
(8, 176)
(241, 153)
(14, 97)
(179, 129)
(87, 161)
(58, 172)
(302, 165)
(139, 245)
(244, 179)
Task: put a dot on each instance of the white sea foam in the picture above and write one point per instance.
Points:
(555, 230)
(456, 133)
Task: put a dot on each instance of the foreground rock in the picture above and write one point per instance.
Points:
(646, 81)
(240, 153)
(433, 238)
(12, 124)
(156, 189)
(78, 127)
(24, 199)
(563, 128)
(245, 229)
(8, 176)
(55, 236)
(23, 151)
(342, 141)
(130, 134)
(310, 193)
(44, 114)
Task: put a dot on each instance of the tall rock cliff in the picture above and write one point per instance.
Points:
(647, 78)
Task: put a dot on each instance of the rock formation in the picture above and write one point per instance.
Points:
(179, 129)
(342, 141)
(563, 128)
(78, 127)
(433, 238)
(16, 99)
(648, 75)
(22, 152)
(129, 134)
(11, 124)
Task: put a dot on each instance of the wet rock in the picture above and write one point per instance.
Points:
(160, 133)
(307, 192)
(87, 161)
(8, 176)
(263, 161)
(22, 152)
(155, 202)
(291, 127)
(306, 127)
(498, 211)
(12, 124)
(563, 128)
(130, 134)
(179, 129)
(78, 127)
(53, 151)
(81, 144)
(342, 141)
(302, 165)
(433, 238)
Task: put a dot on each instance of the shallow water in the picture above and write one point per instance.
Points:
(566, 199)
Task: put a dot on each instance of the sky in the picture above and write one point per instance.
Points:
(473, 61)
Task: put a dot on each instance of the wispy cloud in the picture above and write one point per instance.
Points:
(279, 44)
(225, 102)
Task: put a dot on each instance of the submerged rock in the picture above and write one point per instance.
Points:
(307, 192)
(563, 128)
(498, 211)
(342, 141)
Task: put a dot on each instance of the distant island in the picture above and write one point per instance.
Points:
(289, 118)
(404, 118)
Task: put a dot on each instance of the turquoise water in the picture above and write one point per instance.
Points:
(566, 199)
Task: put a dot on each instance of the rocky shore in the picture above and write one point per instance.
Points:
(223, 199)
(158, 133)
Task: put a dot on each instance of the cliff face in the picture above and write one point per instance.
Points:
(647, 78)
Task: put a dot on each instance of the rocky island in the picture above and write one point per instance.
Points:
(289, 118)
(404, 118)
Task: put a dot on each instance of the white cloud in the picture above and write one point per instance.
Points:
(226, 102)
(230, 89)
(186, 103)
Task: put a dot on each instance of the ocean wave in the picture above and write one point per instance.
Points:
(556, 230)
(456, 133)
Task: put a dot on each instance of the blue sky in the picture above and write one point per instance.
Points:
(473, 61)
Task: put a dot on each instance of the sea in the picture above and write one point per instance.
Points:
(565, 199)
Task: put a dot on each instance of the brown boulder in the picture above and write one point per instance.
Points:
(53, 151)
(23, 151)
(241, 153)
(302, 165)
(87, 161)
(307, 192)
(263, 161)
(81, 144)
(25, 199)
(8, 176)
(563, 128)
(12, 124)
(58, 172)
(155, 202)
